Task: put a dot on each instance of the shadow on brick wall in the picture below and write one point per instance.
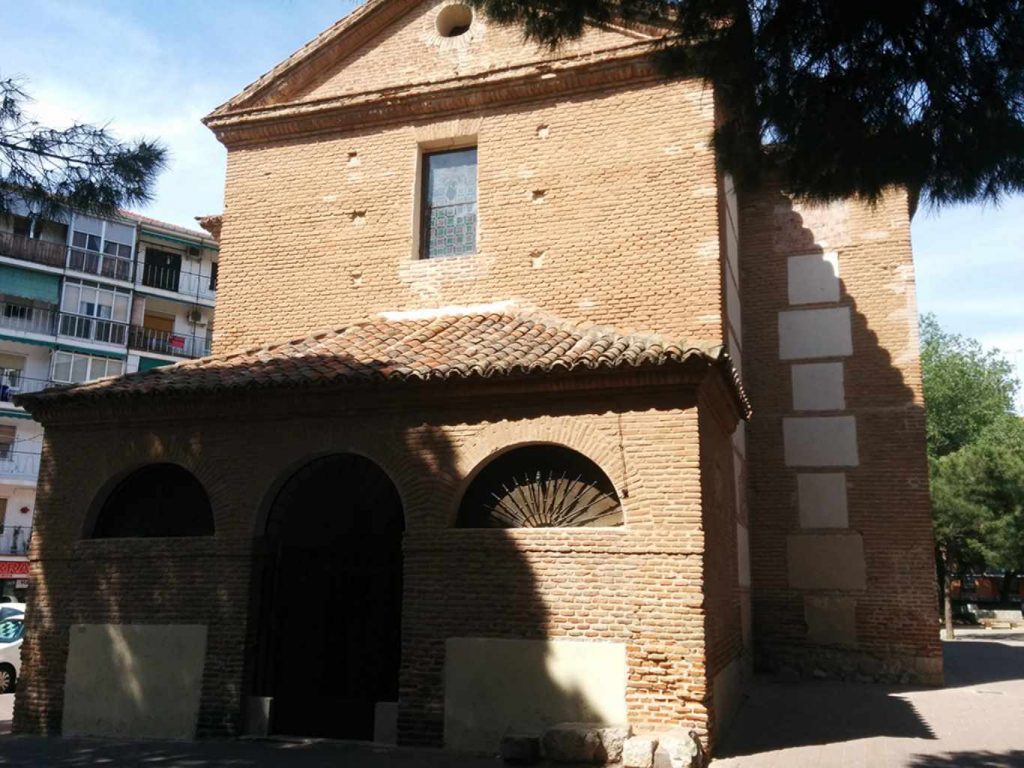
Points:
(301, 599)
(877, 626)
(824, 619)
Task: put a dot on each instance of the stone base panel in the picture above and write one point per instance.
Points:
(800, 661)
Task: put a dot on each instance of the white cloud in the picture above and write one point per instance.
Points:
(124, 77)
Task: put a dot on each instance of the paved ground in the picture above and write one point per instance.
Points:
(977, 721)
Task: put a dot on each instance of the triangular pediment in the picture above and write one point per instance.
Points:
(390, 44)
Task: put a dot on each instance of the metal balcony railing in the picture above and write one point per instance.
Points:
(19, 465)
(14, 539)
(37, 251)
(11, 385)
(23, 317)
(93, 328)
(102, 264)
(197, 283)
(167, 343)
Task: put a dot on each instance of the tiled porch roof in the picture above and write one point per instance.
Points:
(467, 346)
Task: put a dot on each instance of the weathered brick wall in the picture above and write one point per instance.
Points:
(865, 470)
(722, 621)
(641, 585)
(413, 52)
(623, 230)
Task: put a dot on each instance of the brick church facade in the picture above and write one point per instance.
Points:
(518, 413)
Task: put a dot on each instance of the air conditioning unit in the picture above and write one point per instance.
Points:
(195, 316)
(194, 253)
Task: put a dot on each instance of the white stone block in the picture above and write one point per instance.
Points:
(813, 279)
(743, 553)
(134, 681)
(831, 620)
(494, 686)
(818, 387)
(385, 722)
(820, 441)
(821, 498)
(809, 333)
(736, 352)
(826, 561)
(638, 752)
(733, 307)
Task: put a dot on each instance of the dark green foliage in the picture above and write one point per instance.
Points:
(83, 166)
(966, 388)
(975, 456)
(840, 99)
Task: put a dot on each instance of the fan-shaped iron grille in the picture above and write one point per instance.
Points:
(542, 486)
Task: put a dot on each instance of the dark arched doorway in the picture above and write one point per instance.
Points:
(330, 632)
(155, 501)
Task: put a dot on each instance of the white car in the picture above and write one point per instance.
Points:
(12, 628)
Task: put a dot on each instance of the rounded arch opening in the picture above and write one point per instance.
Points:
(540, 486)
(332, 496)
(155, 501)
(454, 20)
(329, 596)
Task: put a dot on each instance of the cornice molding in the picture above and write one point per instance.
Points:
(620, 66)
(242, 404)
(320, 54)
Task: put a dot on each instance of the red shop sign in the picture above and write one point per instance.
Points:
(11, 569)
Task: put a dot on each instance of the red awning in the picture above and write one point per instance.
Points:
(13, 569)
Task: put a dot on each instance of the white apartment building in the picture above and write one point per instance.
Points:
(82, 298)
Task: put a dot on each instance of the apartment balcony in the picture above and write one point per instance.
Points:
(11, 385)
(14, 539)
(191, 283)
(27, 319)
(167, 343)
(36, 251)
(18, 465)
(92, 329)
(100, 264)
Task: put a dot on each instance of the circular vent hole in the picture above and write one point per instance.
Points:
(454, 20)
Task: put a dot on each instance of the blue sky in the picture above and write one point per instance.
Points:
(154, 68)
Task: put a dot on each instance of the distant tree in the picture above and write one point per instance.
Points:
(841, 99)
(1001, 488)
(82, 166)
(966, 387)
(976, 458)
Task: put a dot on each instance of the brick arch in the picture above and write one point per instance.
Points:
(574, 434)
(388, 458)
(114, 481)
(144, 449)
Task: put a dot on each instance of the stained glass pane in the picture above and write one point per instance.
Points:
(449, 206)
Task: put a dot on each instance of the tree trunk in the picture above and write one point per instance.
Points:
(947, 594)
(1004, 589)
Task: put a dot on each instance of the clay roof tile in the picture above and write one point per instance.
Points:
(383, 350)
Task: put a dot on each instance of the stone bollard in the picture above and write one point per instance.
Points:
(679, 749)
(638, 752)
(520, 749)
(589, 743)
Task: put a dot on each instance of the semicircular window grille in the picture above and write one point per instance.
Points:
(157, 500)
(540, 486)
